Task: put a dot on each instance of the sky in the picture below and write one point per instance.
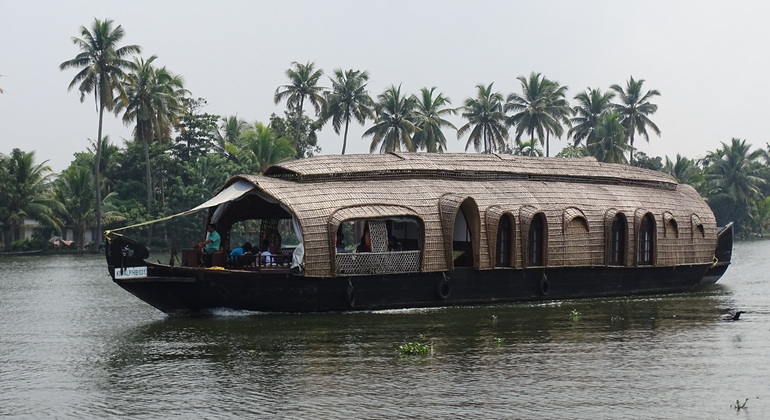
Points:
(708, 59)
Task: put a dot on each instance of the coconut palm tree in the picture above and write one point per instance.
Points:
(486, 120)
(607, 142)
(635, 109)
(348, 99)
(395, 122)
(736, 181)
(230, 129)
(262, 147)
(73, 189)
(528, 148)
(25, 194)
(592, 105)
(102, 64)
(686, 171)
(430, 111)
(302, 86)
(540, 109)
(154, 105)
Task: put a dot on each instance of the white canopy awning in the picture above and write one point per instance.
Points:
(232, 193)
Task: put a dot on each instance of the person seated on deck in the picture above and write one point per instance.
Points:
(267, 255)
(340, 246)
(366, 243)
(394, 244)
(210, 245)
(237, 253)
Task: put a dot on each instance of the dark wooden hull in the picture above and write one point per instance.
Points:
(182, 290)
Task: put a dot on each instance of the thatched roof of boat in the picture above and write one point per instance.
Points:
(464, 165)
(326, 190)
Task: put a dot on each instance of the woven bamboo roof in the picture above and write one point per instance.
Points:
(325, 190)
(463, 165)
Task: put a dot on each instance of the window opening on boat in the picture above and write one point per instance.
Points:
(505, 241)
(462, 241)
(536, 239)
(618, 240)
(646, 241)
(395, 246)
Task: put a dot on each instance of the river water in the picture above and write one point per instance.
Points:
(74, 345)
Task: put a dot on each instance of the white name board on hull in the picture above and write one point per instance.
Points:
(130, 272)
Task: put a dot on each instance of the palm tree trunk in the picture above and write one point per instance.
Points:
(631, 152)
(97, 183)
(547, 144)
(345, 137)
(299, 122)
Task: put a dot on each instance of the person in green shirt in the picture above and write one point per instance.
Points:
(211, 244)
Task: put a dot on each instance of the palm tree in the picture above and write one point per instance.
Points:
(592, 105)
(102, 63)
(528, 148)
(429, 118)
(540, 109)
(736, 181)
(303, 85)
(485, 120)
(154, 106)
(686, 171)
(24, 193)
(262, 147)
(73, 189)
(635, 108)
(395, 122)
(230, 129)
(607, 142)
(1, 89)
(348, 99)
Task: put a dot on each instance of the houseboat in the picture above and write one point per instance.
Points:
(399, 230)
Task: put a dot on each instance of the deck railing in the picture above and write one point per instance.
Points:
(367, 263)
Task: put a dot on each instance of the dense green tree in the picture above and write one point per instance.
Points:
(486, 121)
(592, 104)
(154, 105)
(25, 194)
(348, 99)
(308, 137)
(302, 86)
(395, 122)
(641, 160)
(430, 111)
(540, 109)
(635, 108)
(102, 64)
(607, 142)
(572, 151)
(735, 182)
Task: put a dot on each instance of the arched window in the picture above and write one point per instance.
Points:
(646, 241)
(504, 242)
(536, 241)
(618, 240)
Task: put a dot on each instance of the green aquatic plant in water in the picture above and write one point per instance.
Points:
(575, 315)
(414, 349)
(738, 406)
(500, 341)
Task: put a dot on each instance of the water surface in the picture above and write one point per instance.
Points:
(74, 345)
